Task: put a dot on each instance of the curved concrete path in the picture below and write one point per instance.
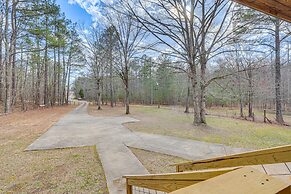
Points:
(112, 139)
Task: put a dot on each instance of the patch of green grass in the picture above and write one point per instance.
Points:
(259, 114)
(149, 109)
(246, 133)
(228, 131)
(76, 156)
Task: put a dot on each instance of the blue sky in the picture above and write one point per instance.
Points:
(75, 13)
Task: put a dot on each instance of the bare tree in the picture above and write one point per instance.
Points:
(279, 115)
(96, 59)
(110, 43)
(2, 14)
(192, 31)
(8, 54)
(130, 36)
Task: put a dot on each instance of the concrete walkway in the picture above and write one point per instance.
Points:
(78, 129)
(184, 148)
(112, 139)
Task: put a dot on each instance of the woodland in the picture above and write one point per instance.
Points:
(196, 54)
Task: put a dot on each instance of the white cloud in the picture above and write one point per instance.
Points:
(92, 7)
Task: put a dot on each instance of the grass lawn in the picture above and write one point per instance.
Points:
(157, 163)
(76, 170)
(259, 115)
(79, 170)
(228, 131)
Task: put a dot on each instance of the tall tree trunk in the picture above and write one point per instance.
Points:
(63, 96)
(99, 96)
(197, 120)
(68, 84)
(188, 97)
(151, 86)
(193, 76)
(60, 99)
(250, 93)
(66, 78)
(45, 92)
(13, 62)
(8, 60)
(126, 82)
(38, 73)
(111, 75)
(127, 98)
(23, 80)
(241, 106)
(202, 99)
(2, 13)
(33, 82)
(203, 61)
(6, 48)
(102, 92)
(279, 116)
(54, 79)
(192, 65)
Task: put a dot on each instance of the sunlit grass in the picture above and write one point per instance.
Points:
(259, 114)
(249, 133)
(228, 131)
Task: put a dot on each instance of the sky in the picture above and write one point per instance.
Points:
(76, 12)
(84, 12)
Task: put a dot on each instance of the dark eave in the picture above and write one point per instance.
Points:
(276, 8)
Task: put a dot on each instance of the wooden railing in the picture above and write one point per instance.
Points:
(266, 156)
(192, 173)
(172, 181)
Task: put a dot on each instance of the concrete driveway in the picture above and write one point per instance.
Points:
(112, 139)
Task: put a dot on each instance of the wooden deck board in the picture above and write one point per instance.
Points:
(273, 163)
(241, 181)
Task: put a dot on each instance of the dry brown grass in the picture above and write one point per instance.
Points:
(157, 163)
(76, 170)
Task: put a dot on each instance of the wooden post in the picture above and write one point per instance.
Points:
(177, 168)
(128, 188)
(265, 116)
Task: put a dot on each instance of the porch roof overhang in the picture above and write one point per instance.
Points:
(276, 8)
